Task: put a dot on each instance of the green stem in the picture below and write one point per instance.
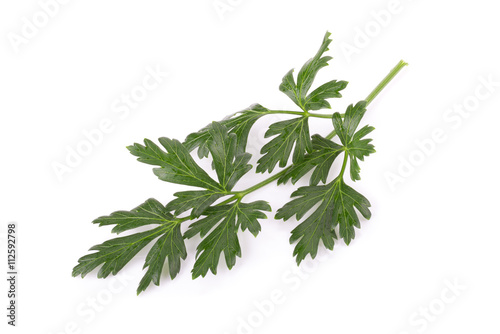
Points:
(385, 81)
(265, 182)
(240, 194)
(388, 78)
(329, 116)
(344, 164)
(300, 113)
(183, 219)
(229, 200)
(331, 135)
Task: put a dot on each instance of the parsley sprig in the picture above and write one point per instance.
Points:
(218, 211)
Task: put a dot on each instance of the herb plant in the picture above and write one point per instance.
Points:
(219, 211)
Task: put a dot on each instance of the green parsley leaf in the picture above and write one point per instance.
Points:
(321, 160)
(170, 245)
(345, 128)
(356, 147)
(238, 123)
(229, 165)
(223, 221)
(336, 207)
(297, 92)
(176, 166)
(317, 99)
(293, 132)
(198, 200)
(249, 213)
(114, 254)
(148, 213)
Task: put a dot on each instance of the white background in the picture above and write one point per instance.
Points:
(437, 226)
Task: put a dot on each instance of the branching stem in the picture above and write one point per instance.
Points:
(388, 78)
(238, 195)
